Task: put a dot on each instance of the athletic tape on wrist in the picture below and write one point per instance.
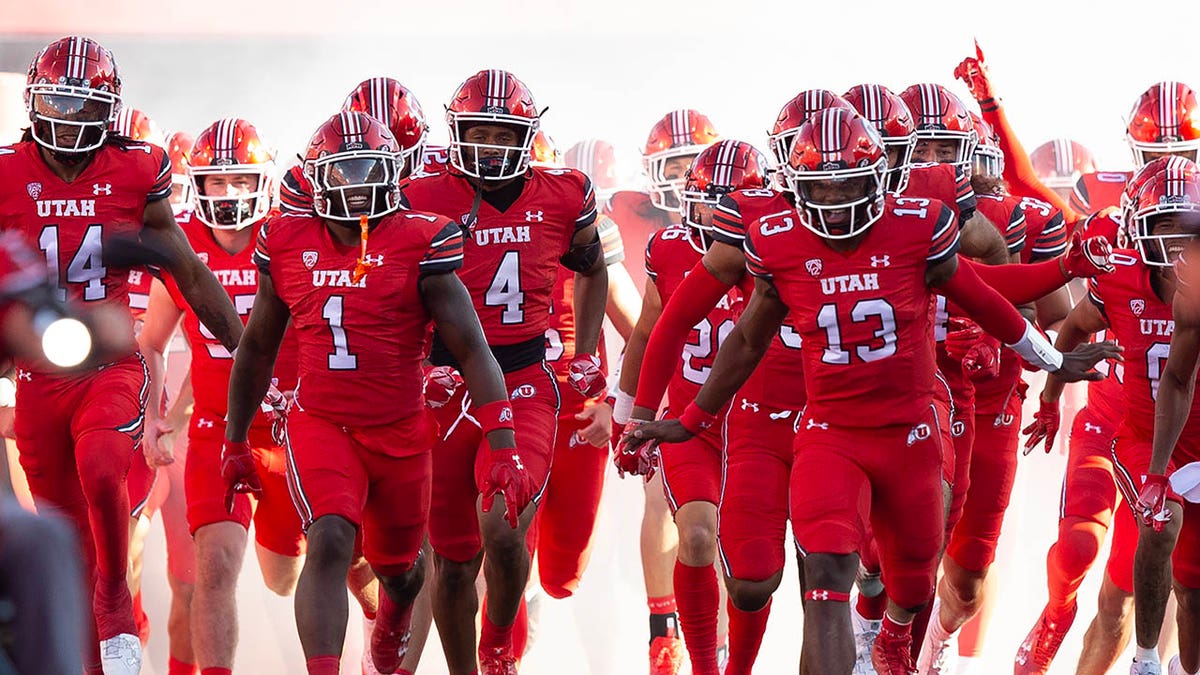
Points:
(494, 415)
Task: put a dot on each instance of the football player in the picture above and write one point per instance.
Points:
(841, 248)
(523, 223)
(361, 281)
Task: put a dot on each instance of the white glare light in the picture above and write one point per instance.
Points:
(66, 342)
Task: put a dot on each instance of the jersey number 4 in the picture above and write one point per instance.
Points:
(505, 289)
(86, 266)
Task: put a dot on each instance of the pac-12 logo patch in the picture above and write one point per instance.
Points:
(309, 258)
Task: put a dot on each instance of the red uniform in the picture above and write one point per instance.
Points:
(946, 183)
(78, 432)
(997, 410)
(510, 263)
(566, 520)
(870, 428)
(1143, 324)
(277, 526)
(638, 220)
(358, 437)
(1099, 190)
(691, 471)
(761, 423)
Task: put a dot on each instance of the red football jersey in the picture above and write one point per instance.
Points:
(69, 222)
(1006, 214)
(864, 317)
(1106, 396)
(1099, 190)
(1143, 325)
(638, 219)
(945, 183)
(139, 292)
(211, 361)
(511, 259)
(560, 336)
(361, 344)
(778, 381)
(670, 255)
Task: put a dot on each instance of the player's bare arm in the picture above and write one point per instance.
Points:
(197, 283)
(623, 300)
(586, 259)
(726, 263)
(736, 359)
(1176, 388)
(254, 361)
(162, 318)
(635, 348)
(1084, 321)
(980, 239)
(447, 301)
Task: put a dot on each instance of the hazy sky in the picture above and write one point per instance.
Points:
(610, 69)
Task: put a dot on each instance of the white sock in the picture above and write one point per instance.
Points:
(1144, 655)
(936, 630)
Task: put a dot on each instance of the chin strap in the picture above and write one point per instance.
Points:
(364, 263)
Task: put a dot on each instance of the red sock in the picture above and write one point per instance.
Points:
(113, 607)
(664, 605)
(699, 599)
(329, 664)
(895, 629)
(919, 623)
(745, 637)
(872, 608)
(141, 620)
(177, 667)
(492, 636)
(520, 630)
(218, 671)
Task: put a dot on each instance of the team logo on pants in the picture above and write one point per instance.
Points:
(919, 433)
(524, 391)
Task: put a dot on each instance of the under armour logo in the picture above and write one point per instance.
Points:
(374, 260)
(813, 424)
(203, 423)
(920, 432)
(517, 462)
(1093, 428)
(819, 595)
(533, 217)
(24, 376)
(747, 405)
(781, 415)
(881, 261)
(98, 189)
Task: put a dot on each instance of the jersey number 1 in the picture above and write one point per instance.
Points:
(341, 358)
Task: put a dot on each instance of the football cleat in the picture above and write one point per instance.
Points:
(497, 661)
(1138, 668)
(892, 654)
(1038, 650)
(121, 655)
(666, 655)
(865, 633)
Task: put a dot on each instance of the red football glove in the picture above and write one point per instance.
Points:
(1087, 257)
(1043, 427)
(440, 384)
(973, 72)
(1152, 502)
(979, 352)
(585, 376)
(506, 474)
(275, 404)
(238, 471)
(641, 460)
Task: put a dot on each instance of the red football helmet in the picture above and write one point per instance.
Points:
(1129, 197)
(354, 167)
(837, 155)
(135, 124)
(940, 115)
(1173, 190)
(1059, 163)
(493, 97)
(179, 149)
(989, 158)
(680, 133)
(598, 159)
(73, 84)
(231, 147)
(719, 169)
(393, 104)
(545, 152)
(795, 113)
(1165, 120)
(892, 119)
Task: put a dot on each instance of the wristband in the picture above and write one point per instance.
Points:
(1037, 350)
(1154, 479)
(696, 419)
(494, 415)
(989, 104)
(622, 407)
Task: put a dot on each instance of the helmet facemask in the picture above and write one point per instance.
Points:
(349, 185)
(1161, 232)
(490, 161)
(899, 151)
(232, 211)
(839, 203)
(68, 120)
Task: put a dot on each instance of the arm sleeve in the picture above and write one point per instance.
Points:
(1018, 170)
(984, 305)
(1019, 284)
(689, 304)
(445, 252)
